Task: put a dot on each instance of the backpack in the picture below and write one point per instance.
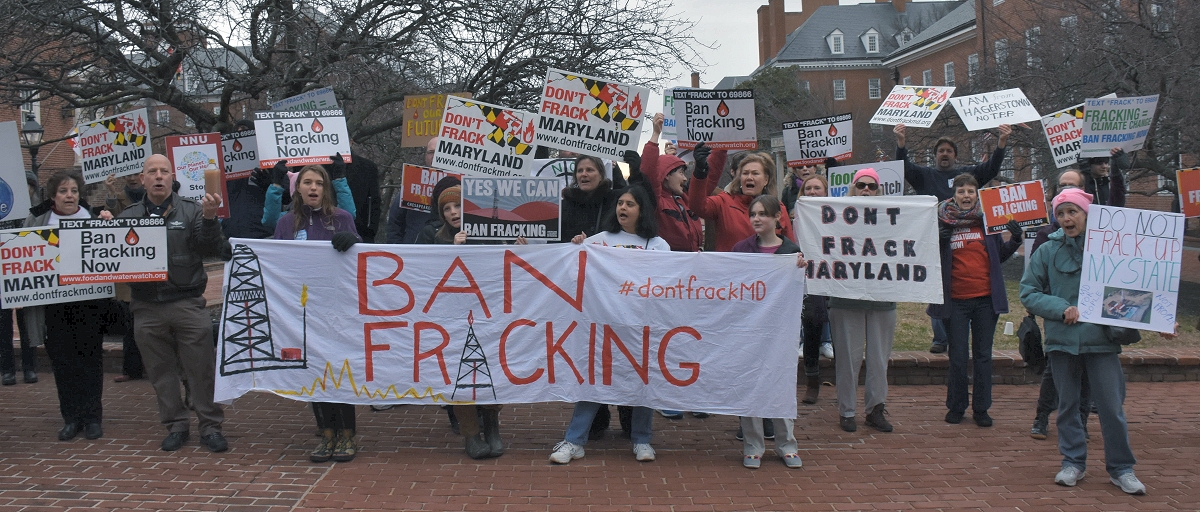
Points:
(1031, 344)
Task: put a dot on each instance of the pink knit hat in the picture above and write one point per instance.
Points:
(868, 173)
(1075, 196)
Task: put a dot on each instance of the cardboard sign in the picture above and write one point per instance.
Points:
(240, 153)
(423, 118)
(1132, 263)
(719, 119)
(1023, 202)
(14, 199)
(319, 99)
(114, 146)
(1116, 123)
(117, 250)
(301, 137)
(1188, 183)
(871, 247)
(30, 271)
(507, 208)
(590, 115)
(416, 185)
(195, 160)
(481, 139)
(811, 141)
(469, 324)
(668, 128)
(891, 177)
(912, 106)
(992, 109)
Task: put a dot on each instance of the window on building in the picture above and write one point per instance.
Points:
(804, 85)
(163, 117)
(1033, 37)
(907, 80)
(187, 120)
(1001, 50)
(836, 43)
(927, 77)
(30, 105)
(905, 36)
(192, 82)
(1161, 15)
(873, 89)
(871, 41)
(1006, 167)
(1069, 21)
(839, 89)
(1163, 183)
(948, 73)
(997, 2)
(972, 68)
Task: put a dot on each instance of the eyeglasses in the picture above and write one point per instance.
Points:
(863, 186)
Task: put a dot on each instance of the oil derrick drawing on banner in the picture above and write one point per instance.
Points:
(473, 371)
(246, 342)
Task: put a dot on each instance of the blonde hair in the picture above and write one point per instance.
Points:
(818, 177)
(764, 159)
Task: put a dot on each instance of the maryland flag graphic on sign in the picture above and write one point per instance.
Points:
(127, 132)
(930, 98)
(49, 235)
(614, 103)
(509, 132)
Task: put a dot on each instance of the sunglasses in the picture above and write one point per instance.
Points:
(864, 186)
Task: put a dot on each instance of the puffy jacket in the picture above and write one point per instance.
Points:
(190, 237)
(1050, 286)
(677, 224)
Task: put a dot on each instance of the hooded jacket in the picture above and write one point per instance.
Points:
(677, 223)
(1051, 285)
(729, 212)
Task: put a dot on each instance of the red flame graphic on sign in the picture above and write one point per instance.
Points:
(131, 238)
(317, 127)
(722, 109)
(832, 131)
(140, 129)
(635, 110)
(471, 317)
(414, 114)
(527, 133)
(237, 145)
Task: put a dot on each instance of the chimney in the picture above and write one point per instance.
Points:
(900, 5)
(695, 80)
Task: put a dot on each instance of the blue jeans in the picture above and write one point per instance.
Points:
(1107, 381)
(975, 318)
(581, 421)
(939, 330)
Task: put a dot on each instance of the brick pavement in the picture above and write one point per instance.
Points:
(410, 460)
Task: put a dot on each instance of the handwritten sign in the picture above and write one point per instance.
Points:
(416, 185)
(114, 146)
(992, 109)
(1116, 123)
(590, 115)
(1023, 202)
(301, 137)
(812, 141)
(423, 118)
(912, 106)
(196, 161)
(30, 270)
(481, 139)
(720, 119)
(240, 152)
(117, 250)
(507, 208)
(1188, 181)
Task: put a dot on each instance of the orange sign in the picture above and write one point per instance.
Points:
(423, 118)
(417, 184)
(1188, 181)
(1023, 202)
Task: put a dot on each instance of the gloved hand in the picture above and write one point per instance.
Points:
(700, 155)
(337, 169)
(260, 178)
(279, 174)
(634, 160)
(344, 240)
(945, 232)
(1015, 229)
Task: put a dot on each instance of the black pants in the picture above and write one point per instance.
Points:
(812, 347)
(131, 360)
(8, 363)
(75, 347)
(334, 415)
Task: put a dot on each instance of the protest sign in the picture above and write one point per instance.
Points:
(14, 199)
(811, 141)
(114, 146)
(507, 208)
(1064, 132)
(423, 118)
(1188, 183)
(481, 139)
(912, 106)
(416, 185)
(891, 177)
(117, 250)
(720, 119)
(194, 159)
(319, 99)
(30, 271)
(992, 109)
(301, 137)
(1023, 202)
(1116, 123)
(511, 324)
(1132, 263)
(590, 115)
(668, 129)
(871, 248)
(563, 169)
(240, 153)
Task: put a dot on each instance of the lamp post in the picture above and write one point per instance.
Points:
(31, 134)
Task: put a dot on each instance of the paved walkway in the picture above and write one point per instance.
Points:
(410, 460)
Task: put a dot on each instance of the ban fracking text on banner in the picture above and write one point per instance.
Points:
(116, 250)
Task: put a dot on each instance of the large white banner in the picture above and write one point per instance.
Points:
(1116, 123)
(992, 109)
(713, 332)
(1132, 263)
(30, 270)
(872, 248)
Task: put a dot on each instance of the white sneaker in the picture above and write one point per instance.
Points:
(1129, 483)
(643, 452)
(566, 451)
(827, 350)
(1069, 476)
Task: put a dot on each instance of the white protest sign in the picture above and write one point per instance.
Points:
(115, 145)
(590, 115)
(1132, 263)
(1064, 131)
(720, 119)
(891, 177)
(14, 199)
(319, 99)
(812, 141)
(117, 250)
(1116, 123)
(301, 137)
(30, 271)
(482, 139)
(668, 128)
(992, 109)
(195, 159)
(507, 208)
(912, 106)
(240, 151)
(871, 248)
(425, 324)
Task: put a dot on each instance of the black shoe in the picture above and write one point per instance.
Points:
(739, 435)
(848, 423)
(491, 431)
(937, 348)
(1040, 428)
(175, 440)
(9, 379)
(453, 421)
(30, 377)
(477, 447)
(68, 432)
(93, 430)
(876, 420)
(699, 415)
(954, 417)
(768, 429)
(982, 419)
(215, 442)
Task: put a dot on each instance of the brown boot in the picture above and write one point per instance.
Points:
(813, 390)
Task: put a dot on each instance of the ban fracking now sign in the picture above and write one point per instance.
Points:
(116, 250)
(811, 141)
(720, 119)
(301, 137)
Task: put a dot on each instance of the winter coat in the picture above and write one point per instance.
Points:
(245, 210)
(320, 226)
(35, 316)
(1051, 285)
(928, 181)
(190, 237)
(816, 307)
(998, 252)
(582, 211)
(729, 213)
(677, 224)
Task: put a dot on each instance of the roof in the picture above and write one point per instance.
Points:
(730, 82)
(807, 42)
(961, 17)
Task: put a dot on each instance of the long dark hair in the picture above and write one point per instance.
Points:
(301, 210)
(647, 226)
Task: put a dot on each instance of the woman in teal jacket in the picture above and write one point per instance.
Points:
(1050, 289)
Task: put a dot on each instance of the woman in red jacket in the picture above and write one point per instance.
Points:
(729, 211)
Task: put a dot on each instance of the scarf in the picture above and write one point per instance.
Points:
(950, 214)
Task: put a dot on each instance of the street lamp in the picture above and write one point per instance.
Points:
(32, 133)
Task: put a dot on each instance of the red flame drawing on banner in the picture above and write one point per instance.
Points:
(527, 133)
(141, 126)
(237, 145)
(833, 131)
(471, 317)
(722, 109)
(131, 238)
(635, 110)
(317, 127)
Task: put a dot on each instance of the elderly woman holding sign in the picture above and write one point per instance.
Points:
(975, 297)
(1050, 289)
(72, 334)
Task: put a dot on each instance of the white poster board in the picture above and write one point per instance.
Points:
(590, 115)
(891, 177)
(1116, 123)
(668, 129)
(30, 271)
(811, 141)
(992, 109)
(912, 105)
(115, 145)
(117, 250)
(240, 150)
(301, 137)
(482, 139)
(722, 119)
(319, 99)
(14, 199)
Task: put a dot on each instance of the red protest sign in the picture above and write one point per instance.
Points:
(1023, 202)
(1188, 181)
(416, 184)
(198, 160)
